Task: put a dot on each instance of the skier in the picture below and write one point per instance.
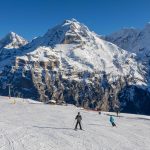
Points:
(78, 118)
(99, 113)
(112, 121)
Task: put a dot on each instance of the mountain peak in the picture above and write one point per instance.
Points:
(12, 36)
(69, 32)
(12, 40)
(70, 20)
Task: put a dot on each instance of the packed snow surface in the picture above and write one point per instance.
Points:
(29, 125)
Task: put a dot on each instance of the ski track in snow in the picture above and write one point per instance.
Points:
(24, 126)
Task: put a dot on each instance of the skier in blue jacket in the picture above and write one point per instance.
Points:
(112, 121)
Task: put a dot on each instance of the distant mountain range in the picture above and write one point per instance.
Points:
(133, 40)
(71, 64)
(136, 41)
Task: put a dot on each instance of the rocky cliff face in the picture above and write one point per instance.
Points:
(71, 64)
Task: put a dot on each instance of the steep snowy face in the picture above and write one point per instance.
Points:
(133, 40)
(12, 40)
(124, 38)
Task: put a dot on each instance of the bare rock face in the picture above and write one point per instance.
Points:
(71, 64)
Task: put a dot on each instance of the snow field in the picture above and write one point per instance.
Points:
(27, 125)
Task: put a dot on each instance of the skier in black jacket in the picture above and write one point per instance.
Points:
(78, 118)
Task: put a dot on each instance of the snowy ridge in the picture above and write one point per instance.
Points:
(69, 32)
(10, 45)
(12, 40)
(133, 40)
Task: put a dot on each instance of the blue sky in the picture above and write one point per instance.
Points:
(31, 18)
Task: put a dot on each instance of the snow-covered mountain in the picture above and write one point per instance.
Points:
(10, 44)
(72, 64)
(78, 48)
(12, 40)
(134, 40)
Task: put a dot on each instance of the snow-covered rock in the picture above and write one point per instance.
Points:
(134, 40)
(12, 40)
(79, 48)
(10, 45)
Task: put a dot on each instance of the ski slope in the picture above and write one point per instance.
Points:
(29, 125)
